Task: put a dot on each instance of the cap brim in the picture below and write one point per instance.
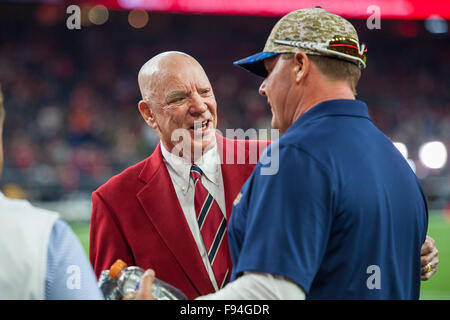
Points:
(255, 63)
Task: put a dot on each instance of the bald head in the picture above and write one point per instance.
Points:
(156, 70)
(176, 94)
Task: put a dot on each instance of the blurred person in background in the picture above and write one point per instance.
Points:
(170, 211)
(41, 257)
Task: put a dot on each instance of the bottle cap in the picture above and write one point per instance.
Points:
(116, 267)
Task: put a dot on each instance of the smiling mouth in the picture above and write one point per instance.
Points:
(200, 126)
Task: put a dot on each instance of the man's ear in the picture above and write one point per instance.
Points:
(302, 65)
(147, 113)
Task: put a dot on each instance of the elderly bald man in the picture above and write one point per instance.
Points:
(170, 211)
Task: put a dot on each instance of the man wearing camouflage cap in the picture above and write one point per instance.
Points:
(345, 216)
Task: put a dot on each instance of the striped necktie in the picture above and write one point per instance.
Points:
(213, 228)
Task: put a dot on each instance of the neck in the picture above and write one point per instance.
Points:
(195, 154)
(329, 90)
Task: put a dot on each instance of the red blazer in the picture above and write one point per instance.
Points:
(136, 217)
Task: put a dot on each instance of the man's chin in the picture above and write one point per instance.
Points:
(274, 124)
(200, 146)
(203, 146)
(195, 144)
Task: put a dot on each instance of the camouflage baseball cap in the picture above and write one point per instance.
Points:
(315, 31)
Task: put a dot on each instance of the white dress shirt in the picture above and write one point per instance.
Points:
(258, 286)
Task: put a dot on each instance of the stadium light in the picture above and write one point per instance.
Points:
(138, 18)
(98, 15)
(131, 4)
(402, 148)
(435, 24)
(433, 154)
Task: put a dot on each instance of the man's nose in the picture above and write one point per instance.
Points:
(197, 104)
(262, 88)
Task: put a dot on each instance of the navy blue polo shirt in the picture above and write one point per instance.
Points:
(344, 217)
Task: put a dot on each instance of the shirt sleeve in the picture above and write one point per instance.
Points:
(258, 286)
(283, 220)
(69, 274)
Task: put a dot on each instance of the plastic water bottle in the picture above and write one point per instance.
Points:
(108, 286)
(122, 282)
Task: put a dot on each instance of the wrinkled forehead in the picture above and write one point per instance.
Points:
(183, 76)
(168, 72)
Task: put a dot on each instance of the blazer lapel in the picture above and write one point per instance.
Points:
(234, 175)
(160, 203)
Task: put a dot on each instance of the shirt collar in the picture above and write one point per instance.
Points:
(339, 107)
(209, 163)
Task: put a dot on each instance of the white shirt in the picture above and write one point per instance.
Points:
(180, 173)
(258, 286)
(24, 236)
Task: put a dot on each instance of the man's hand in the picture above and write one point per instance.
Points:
(429, 258)
(145, 286)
